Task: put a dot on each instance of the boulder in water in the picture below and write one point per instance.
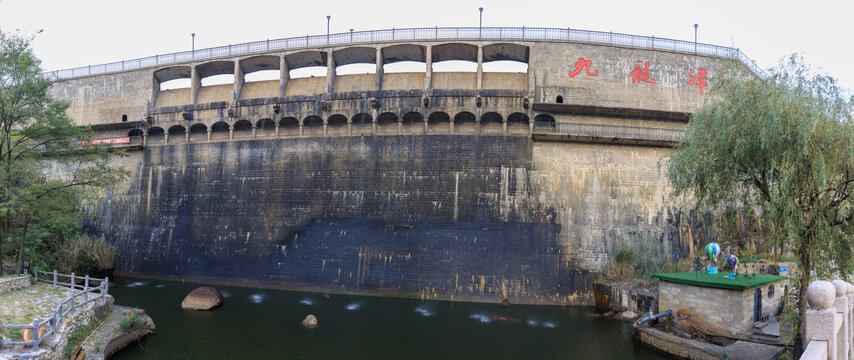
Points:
(203, 298)
(310, 322)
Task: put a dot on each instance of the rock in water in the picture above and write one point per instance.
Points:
(505, 303)
(203, 298)
(310, 322)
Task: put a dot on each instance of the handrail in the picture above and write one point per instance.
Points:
(59, 314)
(435, 33)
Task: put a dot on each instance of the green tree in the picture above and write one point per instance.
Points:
(44, 171)
(781, 147)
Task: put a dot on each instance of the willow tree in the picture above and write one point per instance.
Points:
(781, 146)
(42, 166)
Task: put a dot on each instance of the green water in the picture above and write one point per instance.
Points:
(265, 324)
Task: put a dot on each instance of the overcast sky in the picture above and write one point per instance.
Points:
(79, 32)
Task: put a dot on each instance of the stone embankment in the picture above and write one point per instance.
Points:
(10, 284)
(21, 302)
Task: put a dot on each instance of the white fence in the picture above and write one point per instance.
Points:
(829, 333)
(65, 307)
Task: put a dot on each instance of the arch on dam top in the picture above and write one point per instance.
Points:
(412, 123)
(306, 63)
(215, 72)
(454, 57)
(439, 123)
(312, 125)
(454, 51)
(337, 124)
(261, 68)
(465, 123)
(491, 123)
(173, 77)
(544, 122)
(177, 134)
(387, 123)
(198, 132)
(289, 126)
(156, 135)
(404, 58)
(518, 123)
(220, 130)
(242, 129)
(355, 60)
(506, 57)
(506, 52)
(265, 128)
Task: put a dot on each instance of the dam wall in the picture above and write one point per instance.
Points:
(474, 186)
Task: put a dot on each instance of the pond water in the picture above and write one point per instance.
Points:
(265, 324)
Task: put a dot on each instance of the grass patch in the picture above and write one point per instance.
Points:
(129, 321)
(15, 334)
(80, 333)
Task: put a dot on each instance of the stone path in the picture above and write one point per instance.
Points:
(19, 307)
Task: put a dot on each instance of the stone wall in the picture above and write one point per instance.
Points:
(727, 311)
(10, 284)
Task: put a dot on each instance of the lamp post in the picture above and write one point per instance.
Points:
(695, 37)
(480, 24)
(328, 18)
(193, 48)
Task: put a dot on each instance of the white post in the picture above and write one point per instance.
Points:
(54, 278)
(86, 283)
(821, 317)
(841, 305)
(72, 281)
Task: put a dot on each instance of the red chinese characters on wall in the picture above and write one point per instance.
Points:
(699, 79)
(641, 73)
(583, 64)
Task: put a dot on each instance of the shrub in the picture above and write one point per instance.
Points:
(130, 320)
(78, 252)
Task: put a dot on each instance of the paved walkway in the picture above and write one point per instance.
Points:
(20, 306)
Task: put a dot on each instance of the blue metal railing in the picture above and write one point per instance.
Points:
(423, 34)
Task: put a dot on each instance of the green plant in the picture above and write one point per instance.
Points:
(130, 320)
(16, 334)
(80, 333)
(81, 251)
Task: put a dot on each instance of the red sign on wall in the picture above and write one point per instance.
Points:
(121, 140)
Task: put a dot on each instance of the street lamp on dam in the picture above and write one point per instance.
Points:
(480, 23)
(193, 46)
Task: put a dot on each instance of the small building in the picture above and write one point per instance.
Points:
(727, 306)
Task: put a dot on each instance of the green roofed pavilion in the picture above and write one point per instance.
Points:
(720, 280)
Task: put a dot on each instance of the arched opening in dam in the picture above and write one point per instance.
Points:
(439, 123)
(337, 125)
(220, 130)
(265, 128)
(198, 132)
(177, 134)
(289, 126)
(363, 124)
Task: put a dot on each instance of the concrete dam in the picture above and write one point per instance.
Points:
(463, 185)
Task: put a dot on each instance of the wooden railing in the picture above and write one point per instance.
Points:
(65, 308)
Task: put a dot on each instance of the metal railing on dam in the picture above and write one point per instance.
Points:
(423, 34)
(611, 131)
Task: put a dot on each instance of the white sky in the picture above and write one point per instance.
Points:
(80, 32)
